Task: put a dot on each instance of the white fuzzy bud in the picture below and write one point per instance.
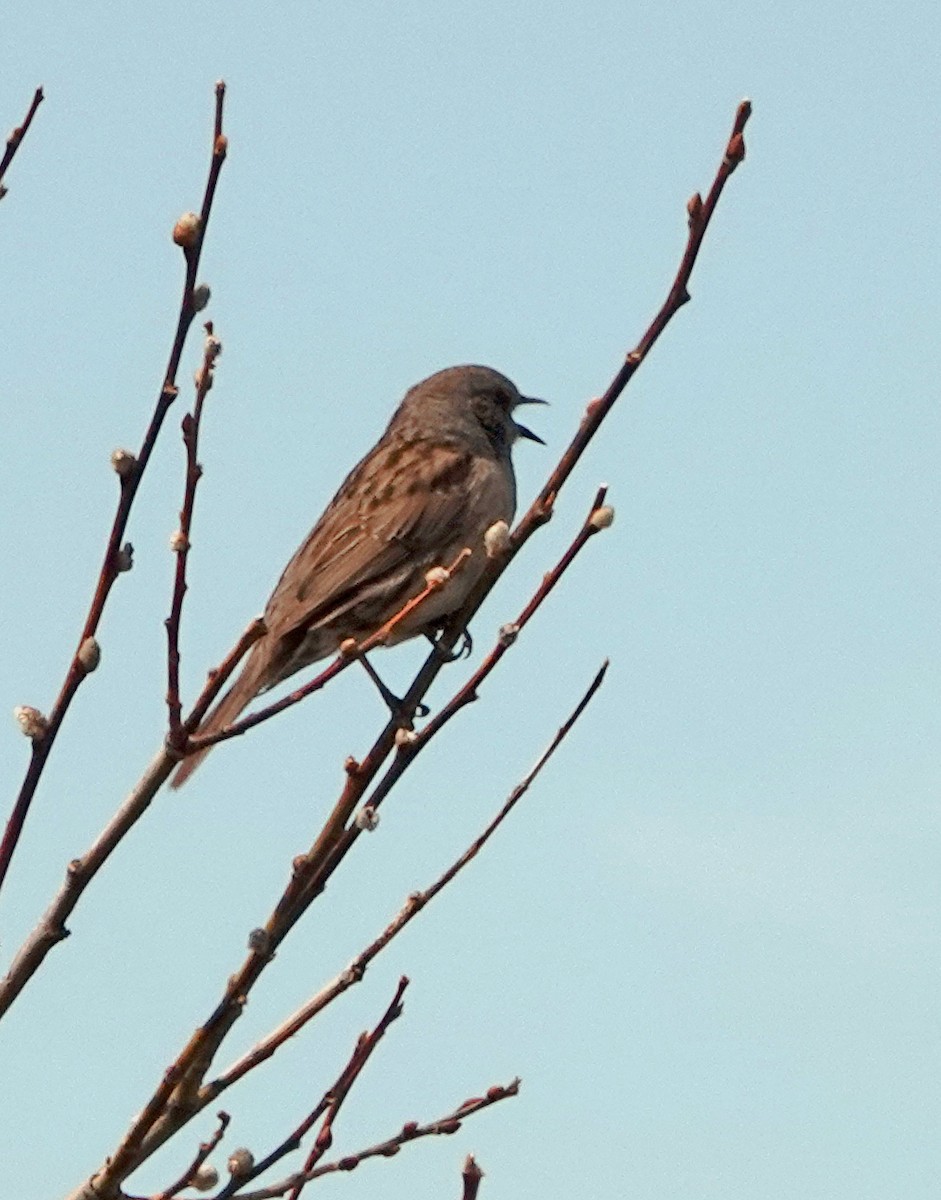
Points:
(602, 517)
(89, 654)
(124, 559)
(497, 539)
(123, 462)
(437, 577)
(32, 722)
(366, 818)
(205, 1179)
(240, 1161)
(508, 633)
(405, 737)
(201, 295)
(186, 230)
(258, 940)
(178, 541)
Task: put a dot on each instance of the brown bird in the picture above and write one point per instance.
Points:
(435, 482)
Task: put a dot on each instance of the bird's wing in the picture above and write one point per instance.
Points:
(393, 514)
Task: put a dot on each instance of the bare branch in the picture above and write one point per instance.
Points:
(212, 348)
(328, 1107)
(471, 1174)
(205, 1149)
(19, 132)
(129, 482)
(410, 1132)
(51, 928)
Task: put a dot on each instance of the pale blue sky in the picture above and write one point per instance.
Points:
(708, 940)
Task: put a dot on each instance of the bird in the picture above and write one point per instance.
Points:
(439, 477)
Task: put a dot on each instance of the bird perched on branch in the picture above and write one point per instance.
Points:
(439, 477)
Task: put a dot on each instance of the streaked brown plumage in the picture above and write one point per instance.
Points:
(433, 484)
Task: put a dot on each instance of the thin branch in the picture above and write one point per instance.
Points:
(205, 1149)
(129, 483)
(699, 216)
(51, 928)
(471, 1175)
(19, 132)
(212, 348)
(355, 972)
(328, 1107)
(219, 676)
(409, 1132)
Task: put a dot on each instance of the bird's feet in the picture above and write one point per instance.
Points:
(396, 705)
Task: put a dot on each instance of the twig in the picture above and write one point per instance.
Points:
(471, 1176)
(328, 1107)
(219, 676)
(181, 541)
(19, 132)
(205, 1149)
(355, 972)
(699, 215)
(409, 1132)
(129, 483)
(51, 928)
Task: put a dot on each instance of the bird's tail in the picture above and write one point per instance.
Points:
(235, 701)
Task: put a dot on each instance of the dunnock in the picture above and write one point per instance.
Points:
(433, 484)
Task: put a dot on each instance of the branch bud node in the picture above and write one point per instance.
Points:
(33, 723)
(187, 230)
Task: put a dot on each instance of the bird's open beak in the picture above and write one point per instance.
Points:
(521, 430)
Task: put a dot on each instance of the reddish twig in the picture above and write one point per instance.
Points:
(471, 1175)
(19, 132)
(181, 539)
(205, 1149)
(699, 213)
(130, 478)
(328, 1107)
(219, 676)
(410, 1132)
